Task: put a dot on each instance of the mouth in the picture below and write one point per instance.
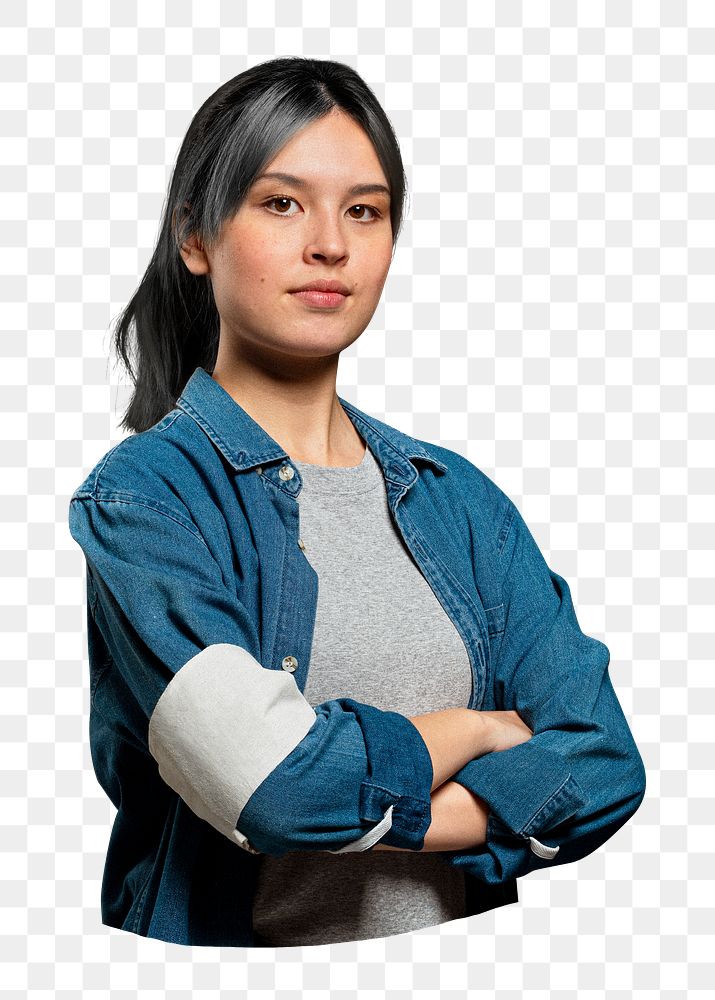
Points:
(321, 300)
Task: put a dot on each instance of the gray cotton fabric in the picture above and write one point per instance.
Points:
(381, 637)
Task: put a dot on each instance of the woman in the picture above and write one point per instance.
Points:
(336, 692)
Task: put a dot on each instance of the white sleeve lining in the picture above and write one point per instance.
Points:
(219, 728)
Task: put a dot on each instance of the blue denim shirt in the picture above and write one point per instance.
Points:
(200, 614)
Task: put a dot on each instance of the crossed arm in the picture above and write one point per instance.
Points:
(194, 677)
(459, 817)
(459, 821)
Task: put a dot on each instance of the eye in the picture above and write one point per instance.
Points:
(286, 198)
(374, 211)
(279, 197)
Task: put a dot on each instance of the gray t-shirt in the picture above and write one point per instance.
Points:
(381, 637)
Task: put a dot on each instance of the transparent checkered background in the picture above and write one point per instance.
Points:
(549, 314)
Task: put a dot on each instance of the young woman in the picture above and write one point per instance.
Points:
(336, 691)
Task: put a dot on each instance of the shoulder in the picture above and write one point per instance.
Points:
(147, 464)
(458, 483)
(473, 477)
(456, 473)
(463, 478)
(457, 493)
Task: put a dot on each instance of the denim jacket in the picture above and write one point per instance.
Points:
(200, 614)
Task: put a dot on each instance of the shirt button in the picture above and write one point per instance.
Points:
(259, 470)
(286, 472)
(289, 663)
(302, 545)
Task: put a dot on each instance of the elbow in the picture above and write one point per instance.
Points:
(626, 779)
(614, 800)
(617, 779)
(637, 782)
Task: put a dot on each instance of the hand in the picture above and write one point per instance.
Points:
(505, 730)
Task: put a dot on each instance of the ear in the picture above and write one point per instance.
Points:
(194, 255)
(192, 251)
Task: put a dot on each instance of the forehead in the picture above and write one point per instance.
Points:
(333, 151)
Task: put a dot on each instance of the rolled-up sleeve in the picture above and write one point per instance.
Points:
(565, 791)
(238, 742)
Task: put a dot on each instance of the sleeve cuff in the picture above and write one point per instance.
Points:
(400, 775)
(529, 788)
(359, 775)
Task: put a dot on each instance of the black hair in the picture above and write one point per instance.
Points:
(171, 323)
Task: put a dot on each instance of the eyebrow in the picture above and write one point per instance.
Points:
(298, 182)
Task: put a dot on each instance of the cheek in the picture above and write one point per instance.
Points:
(266, 261)
(377, 265)
(256, 265)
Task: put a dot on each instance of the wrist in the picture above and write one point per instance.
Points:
(484, 737)
(459, 819)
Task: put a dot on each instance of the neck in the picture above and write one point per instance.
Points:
(301, 411)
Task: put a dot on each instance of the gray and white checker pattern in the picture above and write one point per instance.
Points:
(549, 313)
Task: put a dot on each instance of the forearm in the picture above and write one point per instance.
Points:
(459, 817)
(459, 820)
(453, 737)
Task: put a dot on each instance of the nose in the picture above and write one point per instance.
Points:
(328, 239)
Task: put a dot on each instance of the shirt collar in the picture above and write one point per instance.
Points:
(246, 444)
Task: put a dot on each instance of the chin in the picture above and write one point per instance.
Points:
(310, 340)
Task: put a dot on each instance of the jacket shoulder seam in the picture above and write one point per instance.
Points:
(162, 425)
(137, 499)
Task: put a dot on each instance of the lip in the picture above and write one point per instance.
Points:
(322, 300)
(323, 285)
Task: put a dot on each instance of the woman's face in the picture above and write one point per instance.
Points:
(288, 233)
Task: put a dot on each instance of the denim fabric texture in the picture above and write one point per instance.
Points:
(190, 532)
